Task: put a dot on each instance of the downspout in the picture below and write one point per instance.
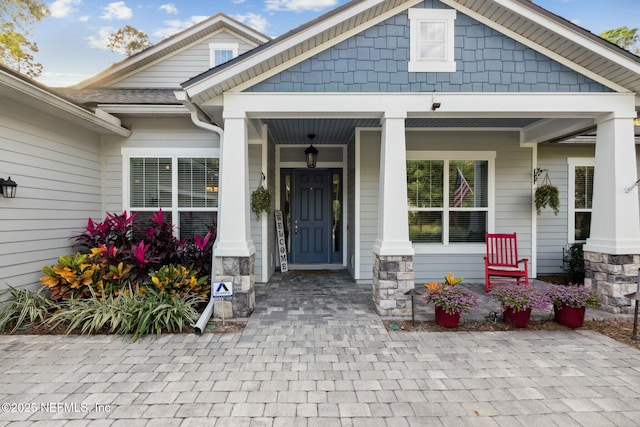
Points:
(195, 118)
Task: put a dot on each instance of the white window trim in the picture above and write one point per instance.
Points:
(233, 47)
(174, 154)
(446, 16)
(572, 163)
(459, 248)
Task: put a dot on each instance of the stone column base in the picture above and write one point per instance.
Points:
(239, 270)
(612, 276)
(392, 277)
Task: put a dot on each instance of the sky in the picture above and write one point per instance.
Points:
(72, 40)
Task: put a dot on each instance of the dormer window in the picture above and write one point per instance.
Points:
(222, 52)
(432, 40)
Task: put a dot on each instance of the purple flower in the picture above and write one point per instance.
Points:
(521, 298)
(573, 296)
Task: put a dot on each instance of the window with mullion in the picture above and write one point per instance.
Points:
(464, 187)
(186, 189)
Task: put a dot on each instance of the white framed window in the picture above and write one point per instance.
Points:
(183, 184)
(432, 40)
(451, 204)
(580, 198)
(221, 53)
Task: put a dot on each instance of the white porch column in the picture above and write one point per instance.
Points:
(393, 274)
(234, 252)
(615, 218)
(393, 220)
(612, 253)
(234, 238)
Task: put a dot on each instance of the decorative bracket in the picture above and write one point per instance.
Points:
(537, 172)
(629, 188)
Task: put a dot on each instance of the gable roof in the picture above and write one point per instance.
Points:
(521, 20)
(170, 45)
(18, 88)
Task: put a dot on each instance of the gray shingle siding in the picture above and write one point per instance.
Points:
(376, 60)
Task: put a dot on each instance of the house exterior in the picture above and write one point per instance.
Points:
(434, 122)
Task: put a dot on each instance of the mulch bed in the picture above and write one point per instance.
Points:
(618, 330)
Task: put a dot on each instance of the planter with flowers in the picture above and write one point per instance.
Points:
(518, 301)
(570, 303)
(450, 300)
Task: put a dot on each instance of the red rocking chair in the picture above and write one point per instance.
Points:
(502, 263)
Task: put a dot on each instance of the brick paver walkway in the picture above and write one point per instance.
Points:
(315, 354)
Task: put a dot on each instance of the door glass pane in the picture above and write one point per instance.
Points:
(467, 227)
(425, 227)
(468, 183)
(424, 183)
(583, 225)
(197, 223)
(336, 227)
(286, 207)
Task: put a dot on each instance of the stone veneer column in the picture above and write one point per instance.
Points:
(239, 271)
(393, 277)
(392, 251)
(612, 276)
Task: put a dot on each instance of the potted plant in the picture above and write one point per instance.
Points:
(450, 300)
(518, 301)
(570, 303)
(261, 201)
(547, 195)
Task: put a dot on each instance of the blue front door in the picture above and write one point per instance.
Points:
(311, 216)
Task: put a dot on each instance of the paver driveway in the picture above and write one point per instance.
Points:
(315, 354)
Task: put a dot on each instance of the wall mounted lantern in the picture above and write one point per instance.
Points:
(8, 188)
(311, 153)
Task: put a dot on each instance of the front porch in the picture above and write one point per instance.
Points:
(333, 298)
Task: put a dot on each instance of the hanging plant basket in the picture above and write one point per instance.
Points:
(547, 194)
(261, 200)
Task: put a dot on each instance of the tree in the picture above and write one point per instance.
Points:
(128, 40)
(16, 19)
(626, 38)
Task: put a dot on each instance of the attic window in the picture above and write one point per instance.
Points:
(432, 40)
(222, 52)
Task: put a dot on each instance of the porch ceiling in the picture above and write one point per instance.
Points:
(341, 131)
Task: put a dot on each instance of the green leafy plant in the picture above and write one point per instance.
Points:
(261, 201)
(23, 305)
(547, 195)
(575, 267)
(128, 313)
(177, 279)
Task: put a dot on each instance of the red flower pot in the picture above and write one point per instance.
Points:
(445, 319)
(569, 316)
(519, 319)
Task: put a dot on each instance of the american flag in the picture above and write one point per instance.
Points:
(461, 191)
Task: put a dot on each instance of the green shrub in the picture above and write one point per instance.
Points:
(128, 313)
(22, 306)
(575, 268)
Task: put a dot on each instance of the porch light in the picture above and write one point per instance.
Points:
(8, 188)
(311, 153)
